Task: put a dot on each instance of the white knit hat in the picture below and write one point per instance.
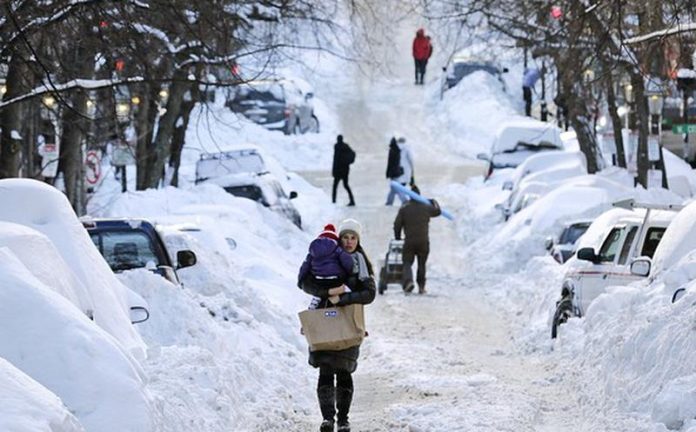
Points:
(350, 225)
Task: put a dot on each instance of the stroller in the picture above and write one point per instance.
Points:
(393, 266)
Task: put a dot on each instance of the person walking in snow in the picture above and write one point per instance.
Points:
(422, 50)
(529, 79)
(401, 173)
(335, 385)
(327, 262)
(414, 219)
(344, 156)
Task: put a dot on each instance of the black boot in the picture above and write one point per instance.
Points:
(344, 397)
(327, 404)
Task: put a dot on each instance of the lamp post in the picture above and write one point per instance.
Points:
(628, 93)
(655, 105)
(686, 82)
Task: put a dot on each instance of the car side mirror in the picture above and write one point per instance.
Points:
(548, 243)
(231, 243)
(587, 254)
(641, 266)
(483, 156)
(293, 195)
(678, 294)
(138, 314)
(507, 185)
(506, 70)
(309, 96)
(185, 258)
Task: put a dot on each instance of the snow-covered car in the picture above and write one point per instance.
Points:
(128, 244)
(548, 166)
(606, 253)
(563, 247)
(277, 104)
(262, 188)
(461, 66)
(518, 139)
(243, 160)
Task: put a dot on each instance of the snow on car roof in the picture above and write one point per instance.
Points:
(678, 240)
(525, 130)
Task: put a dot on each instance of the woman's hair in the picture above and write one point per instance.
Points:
(360, 249)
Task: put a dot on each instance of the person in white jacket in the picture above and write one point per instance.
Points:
(406, 164)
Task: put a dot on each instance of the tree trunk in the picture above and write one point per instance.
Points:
(165, 129)
(642, 128)
(615, 119)
(144, 127)
(179, 137)
(71, 157)
(11, 118)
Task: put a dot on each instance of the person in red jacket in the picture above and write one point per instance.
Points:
(422, 50)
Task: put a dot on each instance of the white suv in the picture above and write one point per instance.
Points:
(606, 252)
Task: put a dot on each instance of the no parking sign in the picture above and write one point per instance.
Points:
(92, 167)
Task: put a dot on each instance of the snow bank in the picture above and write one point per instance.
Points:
(471, 112)
(27, 406)
(46, 337)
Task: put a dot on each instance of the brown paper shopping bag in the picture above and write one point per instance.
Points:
(333, 329)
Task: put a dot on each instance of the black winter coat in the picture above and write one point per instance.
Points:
(394, 169)
(343, 157)
(362, 292)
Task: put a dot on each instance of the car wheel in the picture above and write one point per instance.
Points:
(313, 124)
(382, 286)
(564, 310)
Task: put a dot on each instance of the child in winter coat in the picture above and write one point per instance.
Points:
(327, 262)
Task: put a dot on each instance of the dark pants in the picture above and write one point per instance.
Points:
(335, 398)
(527, 94)
(414, 249)
(420, 70)
(345, 185)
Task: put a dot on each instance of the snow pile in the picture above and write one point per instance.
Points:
(58, 346)
(471, 112)
(27, 406)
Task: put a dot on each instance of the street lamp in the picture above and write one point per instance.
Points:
(655, 104)
(686, 82)
(628, 94)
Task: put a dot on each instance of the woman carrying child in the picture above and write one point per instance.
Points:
(357, 287)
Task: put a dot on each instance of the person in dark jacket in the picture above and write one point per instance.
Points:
(394, 168)
(343, 157)
(422, 49)
(335, 398)
(414, 219)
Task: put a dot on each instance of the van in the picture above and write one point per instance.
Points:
(606, 254)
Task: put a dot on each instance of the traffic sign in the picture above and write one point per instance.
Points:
(92, 167)
(684, 128)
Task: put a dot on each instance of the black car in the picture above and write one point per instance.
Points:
(459, 68)
(284, 105)
(128, 244)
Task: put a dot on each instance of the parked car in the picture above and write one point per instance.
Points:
(606, 253)
(562, 248)
(243, 160)
(518, 139)
(262, 188)
(461, 66)
(277, 104)
(128, 244)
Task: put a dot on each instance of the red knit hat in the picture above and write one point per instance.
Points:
(329, 232)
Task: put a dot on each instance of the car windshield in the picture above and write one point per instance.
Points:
(233, 162)
(252, 192)
(572, 233)
(125, 250)
(463, 69)
(263, 93)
